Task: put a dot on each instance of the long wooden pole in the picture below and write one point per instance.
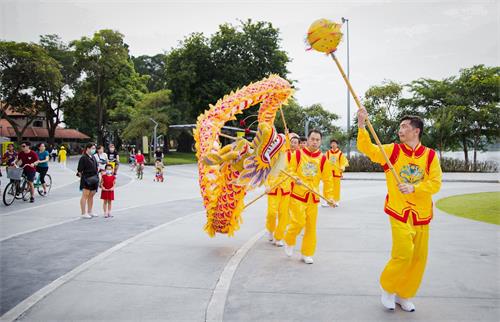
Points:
(265, 193)
(228, 136)
(307, 187)
(284, 121)
(370, 127)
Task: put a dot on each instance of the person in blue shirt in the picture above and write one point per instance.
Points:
(42, 165)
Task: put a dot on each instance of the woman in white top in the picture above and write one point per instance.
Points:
(102, 159)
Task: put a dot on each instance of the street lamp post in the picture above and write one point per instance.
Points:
(345, 20)
(155, 139)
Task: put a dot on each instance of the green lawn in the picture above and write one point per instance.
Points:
(171, 158)
(484, 206)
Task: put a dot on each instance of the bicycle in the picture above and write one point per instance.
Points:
(140, 170)
(17, 188)
(39, 186)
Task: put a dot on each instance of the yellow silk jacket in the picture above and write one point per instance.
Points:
(272, 180)
(310, 168)
(338, 162)
(419, 167)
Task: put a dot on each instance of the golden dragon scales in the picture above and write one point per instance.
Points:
(227, 173)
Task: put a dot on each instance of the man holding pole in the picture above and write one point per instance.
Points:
(278, 198)
(408, 203)
(339, 162)
(308, 166)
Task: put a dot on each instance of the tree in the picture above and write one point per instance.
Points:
(382, 103)
(154, 67)
(296, 117)
(109, 74)
(201, 70)
(154, 105)
(54, 97)
(27, 73)
(434, 102)
(477, 89)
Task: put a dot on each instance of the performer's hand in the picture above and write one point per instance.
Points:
(268, 189)
(362, 116)
(298, 182)
(406, 188)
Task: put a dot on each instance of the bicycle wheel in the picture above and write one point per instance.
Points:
(48, 183)
(25, 192)
(9, 194)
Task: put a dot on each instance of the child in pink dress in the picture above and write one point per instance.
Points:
(107, 190)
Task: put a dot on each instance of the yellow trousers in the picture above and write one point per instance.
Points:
(277, 214)
(303, 215)
(404, 271)
(336, 189)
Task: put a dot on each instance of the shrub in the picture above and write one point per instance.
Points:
(361, 163)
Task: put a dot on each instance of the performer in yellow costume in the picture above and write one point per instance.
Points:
(310, 166)
(339, 162)
(62, 156)
(278, 199)
(409, 206)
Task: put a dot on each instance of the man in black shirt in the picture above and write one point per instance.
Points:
(159, 154)
(113, 157)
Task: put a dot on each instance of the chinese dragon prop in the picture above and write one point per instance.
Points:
(227, 173)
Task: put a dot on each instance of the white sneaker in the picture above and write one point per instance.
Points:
(307, 259)
(279, 243)
(388, 300)
(270, 236)
(94, 215)
(86, 216)
(406, 305)
(324, 205)
(288, 250)
(337, 203)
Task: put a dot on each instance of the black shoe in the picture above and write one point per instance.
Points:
(32, 199)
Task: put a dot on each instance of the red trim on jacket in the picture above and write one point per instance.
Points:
(394, 156)
(322, 163)
(431, 156)
(314, 154)
(417, 152)
(406, 214)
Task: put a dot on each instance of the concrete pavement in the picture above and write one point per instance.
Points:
(154, 262)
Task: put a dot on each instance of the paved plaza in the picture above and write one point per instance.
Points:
(153, 261)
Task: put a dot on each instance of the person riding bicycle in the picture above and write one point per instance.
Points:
(113, 158)
(139, 160)
(9, 157)
(43, 165)
(28, 159)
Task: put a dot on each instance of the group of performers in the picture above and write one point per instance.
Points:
(293, 198)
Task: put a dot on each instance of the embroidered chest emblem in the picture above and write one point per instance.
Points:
(411, 173)
(333, 160)
(309, 169)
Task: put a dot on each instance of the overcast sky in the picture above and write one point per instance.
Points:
(389, 40)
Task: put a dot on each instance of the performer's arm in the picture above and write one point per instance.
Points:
(344, 163)
(433, 182)
(364, 143)
(371, 150)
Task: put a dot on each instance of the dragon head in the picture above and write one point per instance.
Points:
(267, 146)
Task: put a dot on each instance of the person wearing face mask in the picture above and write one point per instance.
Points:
(89, 180)
(107, 190)
(113, 158)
